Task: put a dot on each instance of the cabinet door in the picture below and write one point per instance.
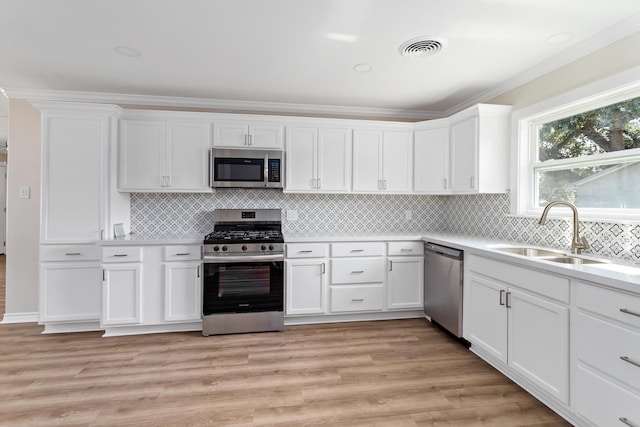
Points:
(306, 286)
(539, 342)
(69, 292)
(142, 155)
(431, 161)
(265, 136)
(187, 161)
(405, 282)
(464, 155)
(183, 291)
(485, 323)
(334, 160)
(231, 134)
(121, 294)
(301, 159)
(74, 161)
(397, 162)
(367, 155)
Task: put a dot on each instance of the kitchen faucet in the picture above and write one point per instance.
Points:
(577, 244)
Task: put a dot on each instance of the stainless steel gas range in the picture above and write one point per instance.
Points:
(243, 287)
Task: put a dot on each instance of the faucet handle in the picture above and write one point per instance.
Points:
(585, 244)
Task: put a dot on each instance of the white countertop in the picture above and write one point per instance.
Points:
(618, 273)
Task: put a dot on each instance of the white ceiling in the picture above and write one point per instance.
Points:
(278, 51)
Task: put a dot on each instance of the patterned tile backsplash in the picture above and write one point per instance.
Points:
(479, 215)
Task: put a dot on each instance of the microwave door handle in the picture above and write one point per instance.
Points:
(266, 170)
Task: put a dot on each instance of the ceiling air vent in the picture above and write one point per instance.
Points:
(422, 46)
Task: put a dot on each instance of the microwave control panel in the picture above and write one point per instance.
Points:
(274, 170)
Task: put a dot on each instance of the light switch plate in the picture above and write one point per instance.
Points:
(24, 192)
(292, 215)
(408, 215)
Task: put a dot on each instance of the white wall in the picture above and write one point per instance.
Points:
(23, 215)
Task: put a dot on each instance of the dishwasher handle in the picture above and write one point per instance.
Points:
(444, 250)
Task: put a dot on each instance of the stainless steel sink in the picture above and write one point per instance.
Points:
(529, 252)
(548, 255)
(566, 259)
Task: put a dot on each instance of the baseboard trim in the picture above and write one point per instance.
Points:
(20, 318)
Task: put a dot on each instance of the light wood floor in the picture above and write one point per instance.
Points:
(386, 373)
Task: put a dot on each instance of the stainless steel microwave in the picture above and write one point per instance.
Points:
(246, 168)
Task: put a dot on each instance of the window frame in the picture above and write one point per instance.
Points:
(525, 121)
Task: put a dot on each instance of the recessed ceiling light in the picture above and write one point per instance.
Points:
(362, 68)
(342, 37)
(127, 51)
(558, 38)
(422, 46)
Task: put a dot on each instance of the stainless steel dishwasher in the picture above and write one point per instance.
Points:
(443, 286)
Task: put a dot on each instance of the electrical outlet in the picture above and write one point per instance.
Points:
(292, 215)
(24, 192)
(408, 215)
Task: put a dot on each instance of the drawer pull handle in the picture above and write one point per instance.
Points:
(627, 311)
(357, 250)
(120, 255)
(628, 360)
(623, 420)
(324, 270)
(73, 253)
(357, 272)
(183, 254)
(406, 250)
(304, 252)
(357, 299)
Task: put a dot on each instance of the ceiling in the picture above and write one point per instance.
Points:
(301, 52)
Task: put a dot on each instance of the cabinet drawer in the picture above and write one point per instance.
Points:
(603, 345)
(121, 254)
(306, 250)
(405, 248)
(356, 298)
(357, 249)
(602, 402)
(70, 253)
(182, 253)
(357, 270)
(606, 302)
(549, 285)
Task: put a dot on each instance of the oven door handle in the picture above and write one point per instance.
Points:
(242, 258)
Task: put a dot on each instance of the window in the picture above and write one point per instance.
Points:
(585, 152)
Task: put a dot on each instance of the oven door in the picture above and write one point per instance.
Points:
(243, 284)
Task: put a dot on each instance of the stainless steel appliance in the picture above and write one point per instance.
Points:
(443, 286)
(243, 284)
(246, 168)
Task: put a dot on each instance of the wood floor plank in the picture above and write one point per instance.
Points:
(385, 373)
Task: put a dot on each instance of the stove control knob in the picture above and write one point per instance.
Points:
(263, 247)
(216, 248)
(270, 247)
(244, 247)
(224, 248)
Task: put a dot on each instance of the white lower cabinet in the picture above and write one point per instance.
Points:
(121, 294)
(606, 349)
(183, 291)
(341, 279)
(527, 332)
(69, 295)
(306, 278)
(151, 288)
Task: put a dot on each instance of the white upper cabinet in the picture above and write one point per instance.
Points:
(382, 161)
(479, 149)
(248, 135)
(318, 160)
(164, 155)
(431, 159)
(75, 185)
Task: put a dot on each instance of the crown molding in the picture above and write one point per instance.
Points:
(604, 38)
(219, 104)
